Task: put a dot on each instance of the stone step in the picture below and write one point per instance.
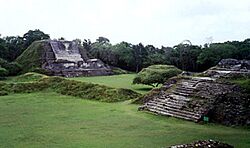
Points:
(173, 113)
(167, 104)
(189, 86)
(180, 93)
(171, 100)
(176, 104)
(191, 81)
(163, 97)
(203, 79)
(184, 91)
(178, 97)
(166, 108)
(176, 116)
(178, 101)
(185, 88)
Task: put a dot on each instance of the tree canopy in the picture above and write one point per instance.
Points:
(13, 46)
(135, 57)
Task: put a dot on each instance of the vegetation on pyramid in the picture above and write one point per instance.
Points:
(32, 58)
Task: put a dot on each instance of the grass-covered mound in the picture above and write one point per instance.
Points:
(27, 77)
(32, 58)
(156, 74)
(64, 86)
(119, 71)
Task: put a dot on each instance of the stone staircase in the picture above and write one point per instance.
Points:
(176, 101)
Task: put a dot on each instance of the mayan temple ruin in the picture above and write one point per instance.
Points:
(68, 59)
(205, 96)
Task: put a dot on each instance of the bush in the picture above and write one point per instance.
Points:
(3, 72)
(156, 74)
(3, 93)
(13, 68)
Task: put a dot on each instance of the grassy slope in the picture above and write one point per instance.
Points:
(117, 81)
(53, 120)
(27, 77)
(31, 57)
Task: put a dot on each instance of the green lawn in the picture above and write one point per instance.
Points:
(48, 119)
(117, 81)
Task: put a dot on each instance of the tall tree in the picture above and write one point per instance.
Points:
(34, 35)
(15, 45)
(102, 40)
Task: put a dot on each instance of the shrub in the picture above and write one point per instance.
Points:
(13, 68)
(156, 74)
(3, 93)
(3, 72)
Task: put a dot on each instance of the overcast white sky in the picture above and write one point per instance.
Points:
(157, 22)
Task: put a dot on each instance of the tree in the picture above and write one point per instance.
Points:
(184, 56)
(156, 74)
(12, 68)
(34, 35)
(102, 50)
(102, 40)
(15, 46)
(211, 55)
(154, 56)
(3, 49)
(140, 54)
(86, 44)
(124, 53)
(78, 41)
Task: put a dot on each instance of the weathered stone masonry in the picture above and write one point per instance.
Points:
(66, 58)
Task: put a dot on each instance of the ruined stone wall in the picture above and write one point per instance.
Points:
(66, 51)
(66, 58)
(229, 68)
